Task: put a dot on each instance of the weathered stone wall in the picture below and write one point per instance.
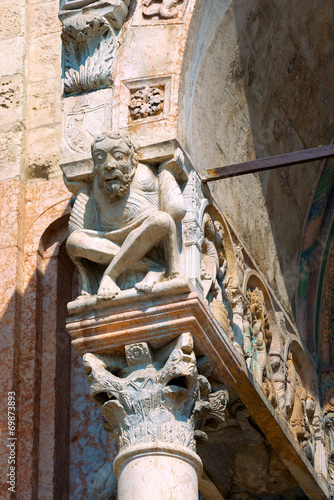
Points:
(29, 156)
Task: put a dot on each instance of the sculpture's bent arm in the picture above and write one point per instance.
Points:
(170, 196)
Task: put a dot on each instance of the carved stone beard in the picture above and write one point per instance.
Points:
(118, 188)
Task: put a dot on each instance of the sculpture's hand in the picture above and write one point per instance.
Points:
(75, 186)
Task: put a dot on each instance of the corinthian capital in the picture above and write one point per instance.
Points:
(147, 397)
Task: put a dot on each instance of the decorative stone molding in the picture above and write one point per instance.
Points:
(89, 53)
(145, 102)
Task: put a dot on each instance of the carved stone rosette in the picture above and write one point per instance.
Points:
(146, 102)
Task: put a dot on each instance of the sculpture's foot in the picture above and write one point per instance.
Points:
(83, 296)
(151, 278)
(151, 10)
(107, 289)
(168, 12)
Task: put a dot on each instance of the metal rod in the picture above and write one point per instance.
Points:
(285, 160)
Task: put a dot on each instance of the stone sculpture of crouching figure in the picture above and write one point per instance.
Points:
(123, 216)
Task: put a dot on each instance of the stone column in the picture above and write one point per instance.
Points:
(151, 403)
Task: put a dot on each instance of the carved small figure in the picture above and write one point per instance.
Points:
(213, 268)
(300, 408)
(247, 333)
(122, 218)
(261, 339)
(210, 260)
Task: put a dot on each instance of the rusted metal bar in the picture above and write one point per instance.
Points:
(285, 160)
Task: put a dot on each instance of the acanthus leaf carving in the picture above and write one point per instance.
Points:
(157, 396)
(147, 402)
(89, 53)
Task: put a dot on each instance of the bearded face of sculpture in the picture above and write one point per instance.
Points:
(114, 164)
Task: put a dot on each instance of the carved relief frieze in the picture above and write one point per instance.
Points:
(161, 9)
(152, 12)
(213, 268)
(279, 369)
(239, 253)
(84, 122)
(193, 233)
(327, 387)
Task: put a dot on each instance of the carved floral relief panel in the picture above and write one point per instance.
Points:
(145, 100)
